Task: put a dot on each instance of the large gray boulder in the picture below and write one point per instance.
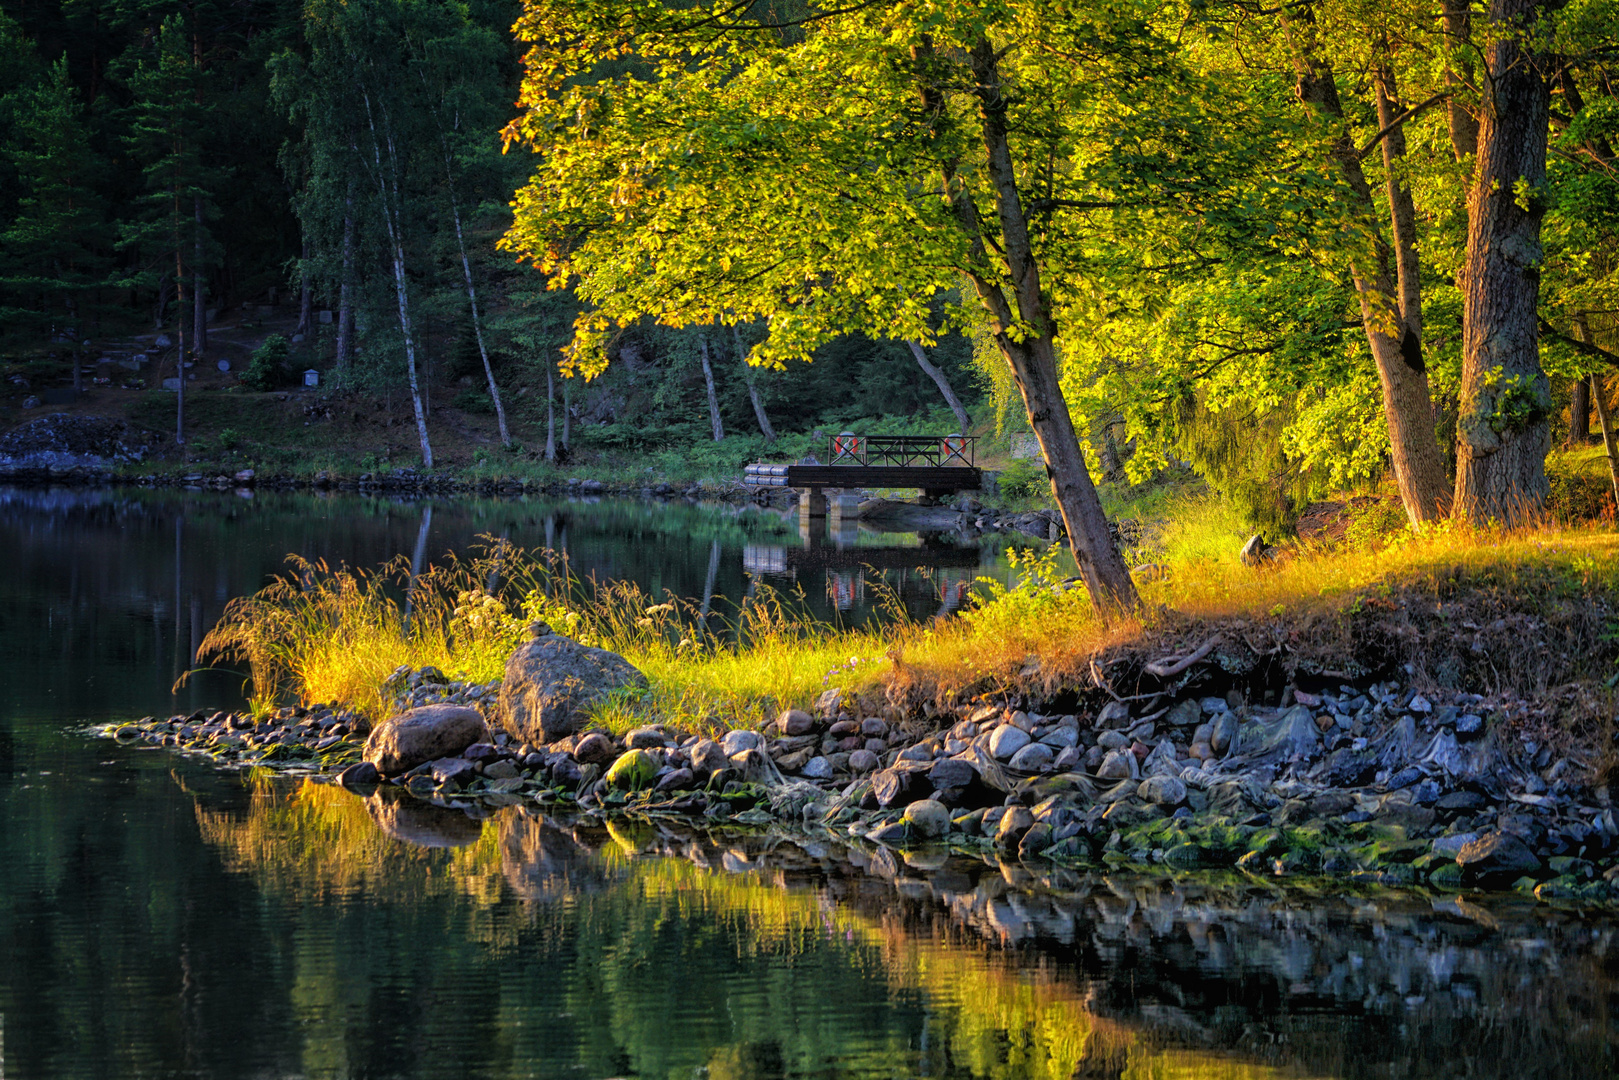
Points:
(551, 683)
(418, 736)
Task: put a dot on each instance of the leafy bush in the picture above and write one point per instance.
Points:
(474, 399)
(269, 368)
(1024, 479)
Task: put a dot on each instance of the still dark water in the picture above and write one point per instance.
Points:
(162, 919)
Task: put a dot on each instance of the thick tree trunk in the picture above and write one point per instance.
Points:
(345, 289)
(199, 284)
(1579, 412)
(759, 413)
(713, 400)
(1390, 300)
(932, 372)
(567, 413)
(1503, 431)
(1458, 25)
(1032, 352)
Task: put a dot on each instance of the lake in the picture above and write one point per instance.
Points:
(161, 918)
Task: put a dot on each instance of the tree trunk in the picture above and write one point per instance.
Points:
(550, 412)
(1503, 431)
(306, 300)
(759, 413)
(1389, 300)
(472, 301)
(1599, 399)
(1027, 341)
(199, 284)
(962, 421)
(1579, 412)
(388, 184)
(567, 413)
(345, 289)
(708, 379)
(179, 346)
(1458, 25)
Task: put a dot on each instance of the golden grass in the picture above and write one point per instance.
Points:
(324, 634)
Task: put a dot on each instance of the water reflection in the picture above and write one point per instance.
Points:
(774, 955)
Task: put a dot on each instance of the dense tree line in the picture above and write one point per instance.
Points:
(1299, 245)
(1322, 236)
(162, 160)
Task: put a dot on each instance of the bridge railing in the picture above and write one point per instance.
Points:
(948, 451)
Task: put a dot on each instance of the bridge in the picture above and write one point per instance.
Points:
(933, 465)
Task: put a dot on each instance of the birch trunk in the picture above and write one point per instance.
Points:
(306, 301)
(759, 413)
(345, 289)
(388, 184)
(1503, 429)
(550, 413)
(199, 290)
(932, 372)
(708, 379)
(1598, 398)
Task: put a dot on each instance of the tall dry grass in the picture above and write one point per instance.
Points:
(323, 633)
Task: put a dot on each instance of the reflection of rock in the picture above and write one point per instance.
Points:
(908, 517)
(421, 823)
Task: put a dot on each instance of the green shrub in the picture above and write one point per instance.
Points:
(474, 399)
(1025, 478)
(269, 368)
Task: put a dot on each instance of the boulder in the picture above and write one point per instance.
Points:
(552, 682)
(755, 767)
(863, 761)
(1496, 858)
(504, 769)
(1015, 821)
(951, 773)
(1119, 765)
(928, 818)
(893, 785)
(817, 768)
(675, 780)
(593, 749)
(635, 770)
(453, 770)
(1032, 758)
(707, 757)
(644, 738)
(739, 740)
(795, 722)
(1162, 790)
(1223, 731)
(1007, 740)
(418, 736)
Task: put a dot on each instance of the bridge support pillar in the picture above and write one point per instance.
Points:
(844, 522)
(811, 503)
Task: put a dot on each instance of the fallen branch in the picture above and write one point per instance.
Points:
(1169, 667)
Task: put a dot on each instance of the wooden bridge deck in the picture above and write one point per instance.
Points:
(932, 465)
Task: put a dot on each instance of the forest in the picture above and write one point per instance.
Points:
(1300, 248)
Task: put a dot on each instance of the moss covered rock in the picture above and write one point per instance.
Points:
(635, 770)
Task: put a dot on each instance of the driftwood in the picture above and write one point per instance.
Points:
(1170, 666)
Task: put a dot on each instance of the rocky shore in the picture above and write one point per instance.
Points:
(1375, 783)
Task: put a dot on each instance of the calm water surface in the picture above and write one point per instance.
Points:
(159, 918)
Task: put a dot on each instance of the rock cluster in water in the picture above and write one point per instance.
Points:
(1380, 785)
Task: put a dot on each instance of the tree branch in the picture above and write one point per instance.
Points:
(1410, 114)
(1584, 348)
